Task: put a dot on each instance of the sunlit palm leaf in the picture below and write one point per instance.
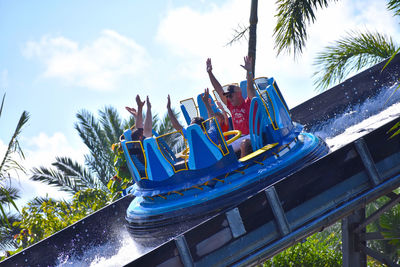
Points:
(78, 173)
(8, 163)
(8, 193)
(293, 18)
(394, 5)
(100, 158)
(351, 53)
(57, 179)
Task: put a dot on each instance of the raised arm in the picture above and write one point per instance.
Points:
(138, 115)
(148, 121)
(217, 86)
(248, 66)
(224, 113)
(206, 100)
(171, 115)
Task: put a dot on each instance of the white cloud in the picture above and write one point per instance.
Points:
(42, 150)
(99, 65)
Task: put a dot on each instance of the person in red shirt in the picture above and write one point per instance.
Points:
(238, 106)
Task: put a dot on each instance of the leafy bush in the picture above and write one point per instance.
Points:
(317, 250)
(41, 221)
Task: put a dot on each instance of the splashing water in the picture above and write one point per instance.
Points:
(360, 119)
(109, 254)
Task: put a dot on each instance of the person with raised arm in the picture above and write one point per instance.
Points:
(140, 131)
(237, 105)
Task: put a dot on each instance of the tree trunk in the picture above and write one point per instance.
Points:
(253, 33)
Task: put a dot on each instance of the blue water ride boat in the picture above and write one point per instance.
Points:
(174, 188)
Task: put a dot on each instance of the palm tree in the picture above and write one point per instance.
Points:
(98, 134)
(9, 194)
(351, 53)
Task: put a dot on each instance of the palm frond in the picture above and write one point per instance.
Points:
(7, 233)
(8, 193)
(100, 159)
(8, 163)
(2, 104)
(111, 123)
(351, 53)
(57, 179)
(394, 5)
(77, 172)
(293, 18)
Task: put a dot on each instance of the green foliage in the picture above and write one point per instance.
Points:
(388, 226)
(122, 179)
(320, 249)
(293, 18)
(351, 53)
(9, 194)
(98, 134)
(51, 216)
(395, 127)
(394, 5)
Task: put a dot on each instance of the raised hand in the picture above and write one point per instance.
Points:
(209, 65)
(132, 111)
(248, 63)
(169, 102)
(148, 102)
(139, 102)
(206, 96)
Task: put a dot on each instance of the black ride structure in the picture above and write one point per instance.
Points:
(336, 187)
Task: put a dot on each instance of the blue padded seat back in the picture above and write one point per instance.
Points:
(128, 134)
(158, 168)
(185, 114)
(202, 107)
(203, 153)
(134, 165)
(243, 86)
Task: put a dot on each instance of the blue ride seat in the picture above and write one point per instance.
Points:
(202, 106)
(243, 87)
(158, 167)
(203, 153)
(270, 121)
(128, 134)
(135, 166)
(185, 114)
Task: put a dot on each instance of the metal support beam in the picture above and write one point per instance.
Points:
(377, 213)
(184, 251)
(352, 254)
(367, 160)
(235, 222)
(279, 214)
(378, 256)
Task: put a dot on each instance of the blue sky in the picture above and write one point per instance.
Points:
(58, 57)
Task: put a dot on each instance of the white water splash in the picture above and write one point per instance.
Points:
(360, 119)
(106, 255)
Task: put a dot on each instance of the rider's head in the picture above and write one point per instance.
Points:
(137, 135)
(234, 95)
(197, 120)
